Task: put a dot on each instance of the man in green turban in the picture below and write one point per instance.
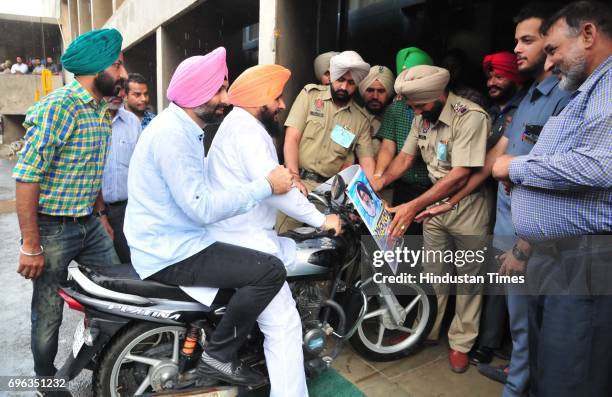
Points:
(409, 57)
(58, 178)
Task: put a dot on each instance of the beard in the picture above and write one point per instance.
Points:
(536, 68)
(433, 114)
(505, 93)
(339, 95)
(112, 105)
(106, 85)
(269, 120)
(376, 110)
(572, 72)
(209, 114)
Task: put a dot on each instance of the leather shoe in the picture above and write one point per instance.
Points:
(498, 374)
(235, 373)
(481, 355)
(459, 362)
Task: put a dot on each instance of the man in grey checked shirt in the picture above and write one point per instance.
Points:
(562, 199)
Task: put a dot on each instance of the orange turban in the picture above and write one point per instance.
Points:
(258, 86)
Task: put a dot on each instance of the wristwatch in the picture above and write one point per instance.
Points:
(100, 213)
(518, 254)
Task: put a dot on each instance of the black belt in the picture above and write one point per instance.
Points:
(305, 174)
(63, 218)
(117, 203)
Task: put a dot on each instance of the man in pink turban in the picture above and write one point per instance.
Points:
(171, 207)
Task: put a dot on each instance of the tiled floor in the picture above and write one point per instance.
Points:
(424, 374)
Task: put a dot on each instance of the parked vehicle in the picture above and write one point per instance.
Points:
(143, 336)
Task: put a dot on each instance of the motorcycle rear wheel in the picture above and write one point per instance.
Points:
(401, 340)
(141, 354)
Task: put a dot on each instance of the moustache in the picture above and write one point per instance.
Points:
(375, 101)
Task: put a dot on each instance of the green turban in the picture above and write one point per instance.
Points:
(92, 52)
(411, 56)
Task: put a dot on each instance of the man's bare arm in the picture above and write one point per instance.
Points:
(400, 164)
(291, 150)
(27, 195)
(385, 156)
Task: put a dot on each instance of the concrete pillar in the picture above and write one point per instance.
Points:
(64, 22)
(84, 13)
(73, 19)
(267, 31)
(101, 10)
(167, 58)
(116, 4)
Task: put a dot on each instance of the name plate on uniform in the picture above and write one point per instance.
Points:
(342, 136)
(442, 151)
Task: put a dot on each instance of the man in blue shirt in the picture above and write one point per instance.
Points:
(126, 130)
(569, 172)
(170, 205)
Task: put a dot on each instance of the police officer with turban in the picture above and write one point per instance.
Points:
(450, 134)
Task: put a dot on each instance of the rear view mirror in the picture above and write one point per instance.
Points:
(338, 187)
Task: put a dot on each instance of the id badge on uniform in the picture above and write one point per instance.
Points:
(442, 151)
(342, 136)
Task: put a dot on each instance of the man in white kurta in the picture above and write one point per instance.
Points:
(243, 151)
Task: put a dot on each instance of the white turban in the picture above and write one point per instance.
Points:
(348, 61)
(321, 63)
(422, 84)
(382, 74)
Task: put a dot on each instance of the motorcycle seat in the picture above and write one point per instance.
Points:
(123, 278)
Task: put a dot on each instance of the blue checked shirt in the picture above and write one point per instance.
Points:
(564, 186)
(126, 130)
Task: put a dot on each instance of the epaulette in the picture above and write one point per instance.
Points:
(319, 87)
(461, 108)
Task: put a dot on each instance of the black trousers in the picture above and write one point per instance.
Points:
(116, 215)
(256, 276)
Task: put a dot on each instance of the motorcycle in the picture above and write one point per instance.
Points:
(140, 336)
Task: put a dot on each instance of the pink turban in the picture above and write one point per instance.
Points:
(197, 79)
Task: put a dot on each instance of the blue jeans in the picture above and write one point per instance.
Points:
(85, 242)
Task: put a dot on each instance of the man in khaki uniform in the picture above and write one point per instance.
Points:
(325, 127)
(450, 133)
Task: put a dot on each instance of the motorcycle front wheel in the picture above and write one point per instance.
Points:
(379, 338)
(143, 358)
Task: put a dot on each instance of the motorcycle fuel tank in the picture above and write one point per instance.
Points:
(315, 255)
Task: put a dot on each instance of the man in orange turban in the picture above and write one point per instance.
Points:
(242, 152)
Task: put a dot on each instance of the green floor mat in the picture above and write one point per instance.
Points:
(329, 384)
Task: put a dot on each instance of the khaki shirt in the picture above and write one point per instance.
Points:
(463, 126)
(315, 115)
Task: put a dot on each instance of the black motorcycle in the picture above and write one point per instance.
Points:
(140, 336)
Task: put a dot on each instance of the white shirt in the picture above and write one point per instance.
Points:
(126, 130)
(242, 152)
(170, 206)
(23, 68)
